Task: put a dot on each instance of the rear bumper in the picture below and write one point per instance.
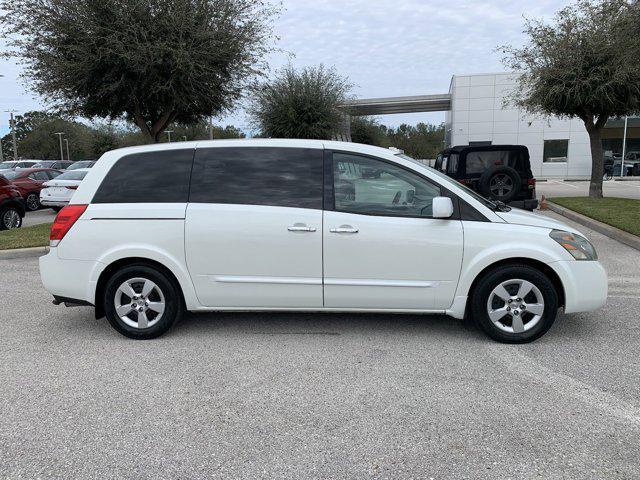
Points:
(70, 279)
(585, 284)
(47, 202)
(531, 204)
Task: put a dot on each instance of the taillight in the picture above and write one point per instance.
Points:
(64, 221)
(72, 187)
(532, 183)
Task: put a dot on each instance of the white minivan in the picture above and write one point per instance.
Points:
(307, 225)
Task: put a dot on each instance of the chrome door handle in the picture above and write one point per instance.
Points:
(343, 229)
(301, 228)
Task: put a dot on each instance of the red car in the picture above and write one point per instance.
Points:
(29, 181)
(11, 205)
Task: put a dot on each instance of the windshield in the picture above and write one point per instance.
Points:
(12, 175)
(5, 165)
(43, 164)
(445, 178)
(73, 175)
(80, 164)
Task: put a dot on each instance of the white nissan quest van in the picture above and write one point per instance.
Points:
(307, 226)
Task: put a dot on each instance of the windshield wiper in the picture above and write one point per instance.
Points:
(501, 206)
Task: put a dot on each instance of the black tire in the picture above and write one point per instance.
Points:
(173, 304)
(32, 202)
(10, 218)
(508, 176)
(492, 279)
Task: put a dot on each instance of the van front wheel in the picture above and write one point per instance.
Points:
(140, 302)
(514, 304)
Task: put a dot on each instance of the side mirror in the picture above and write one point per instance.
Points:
(442, 207)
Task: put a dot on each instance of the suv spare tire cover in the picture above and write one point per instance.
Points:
(485, 183)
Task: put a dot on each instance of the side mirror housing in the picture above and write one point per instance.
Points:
(442, 207)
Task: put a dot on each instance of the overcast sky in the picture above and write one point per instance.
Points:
(385, 47)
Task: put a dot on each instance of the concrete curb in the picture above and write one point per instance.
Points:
(621, 236)
(23, 253)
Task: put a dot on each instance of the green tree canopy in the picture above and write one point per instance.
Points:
(153, 62)
(301, 104)
(584, 64)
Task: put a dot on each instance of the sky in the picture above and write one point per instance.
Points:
(385, 47)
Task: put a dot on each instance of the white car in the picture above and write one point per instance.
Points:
(294, 225)
(57, 192)
(16, 164)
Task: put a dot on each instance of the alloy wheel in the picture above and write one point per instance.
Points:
(515, 306)
(501, 185)
(11, 219)
(139, 303)
(33, 203)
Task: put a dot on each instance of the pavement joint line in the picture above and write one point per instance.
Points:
(521, 365)
(621, 236)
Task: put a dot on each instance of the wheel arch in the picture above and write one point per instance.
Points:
(116, 265)
(544, 268)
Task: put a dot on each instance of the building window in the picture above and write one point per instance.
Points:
(555, 151)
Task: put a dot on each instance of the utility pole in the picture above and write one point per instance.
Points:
(66, 142)
(60, 134)
(12, 124)
(169, 132)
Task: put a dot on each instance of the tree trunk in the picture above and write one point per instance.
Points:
(597, 163)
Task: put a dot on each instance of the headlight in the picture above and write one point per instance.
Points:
(579, 247)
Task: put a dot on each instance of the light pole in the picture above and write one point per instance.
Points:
(12, 124)
(66, 142)
(169, 132)
(60, 134)
(624, 145)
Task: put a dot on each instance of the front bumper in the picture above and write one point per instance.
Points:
(585, 284)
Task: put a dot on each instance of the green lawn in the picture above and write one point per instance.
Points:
(623, 213)
(35, 236)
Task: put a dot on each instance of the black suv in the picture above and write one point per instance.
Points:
(498, 172)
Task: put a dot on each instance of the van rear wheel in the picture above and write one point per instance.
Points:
(514, 304)
(141, 302)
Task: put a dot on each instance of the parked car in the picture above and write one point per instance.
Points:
(55, 164)
(11, 205)
(57, 192)
(498, 172)
(15, 164)
(29, 181)
(82, 164)
(257, 225)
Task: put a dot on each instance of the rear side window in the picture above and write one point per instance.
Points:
(283, 177)
(149, 177)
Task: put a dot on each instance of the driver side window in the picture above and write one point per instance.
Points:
(373, 187)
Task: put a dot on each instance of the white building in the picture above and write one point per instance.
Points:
(479, 115)
(476, 113)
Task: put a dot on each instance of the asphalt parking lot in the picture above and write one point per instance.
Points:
(318, 395)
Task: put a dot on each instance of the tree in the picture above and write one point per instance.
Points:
(301, 104)
(369, 131)
(152, 62)
(422, 141)
(582, 65)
